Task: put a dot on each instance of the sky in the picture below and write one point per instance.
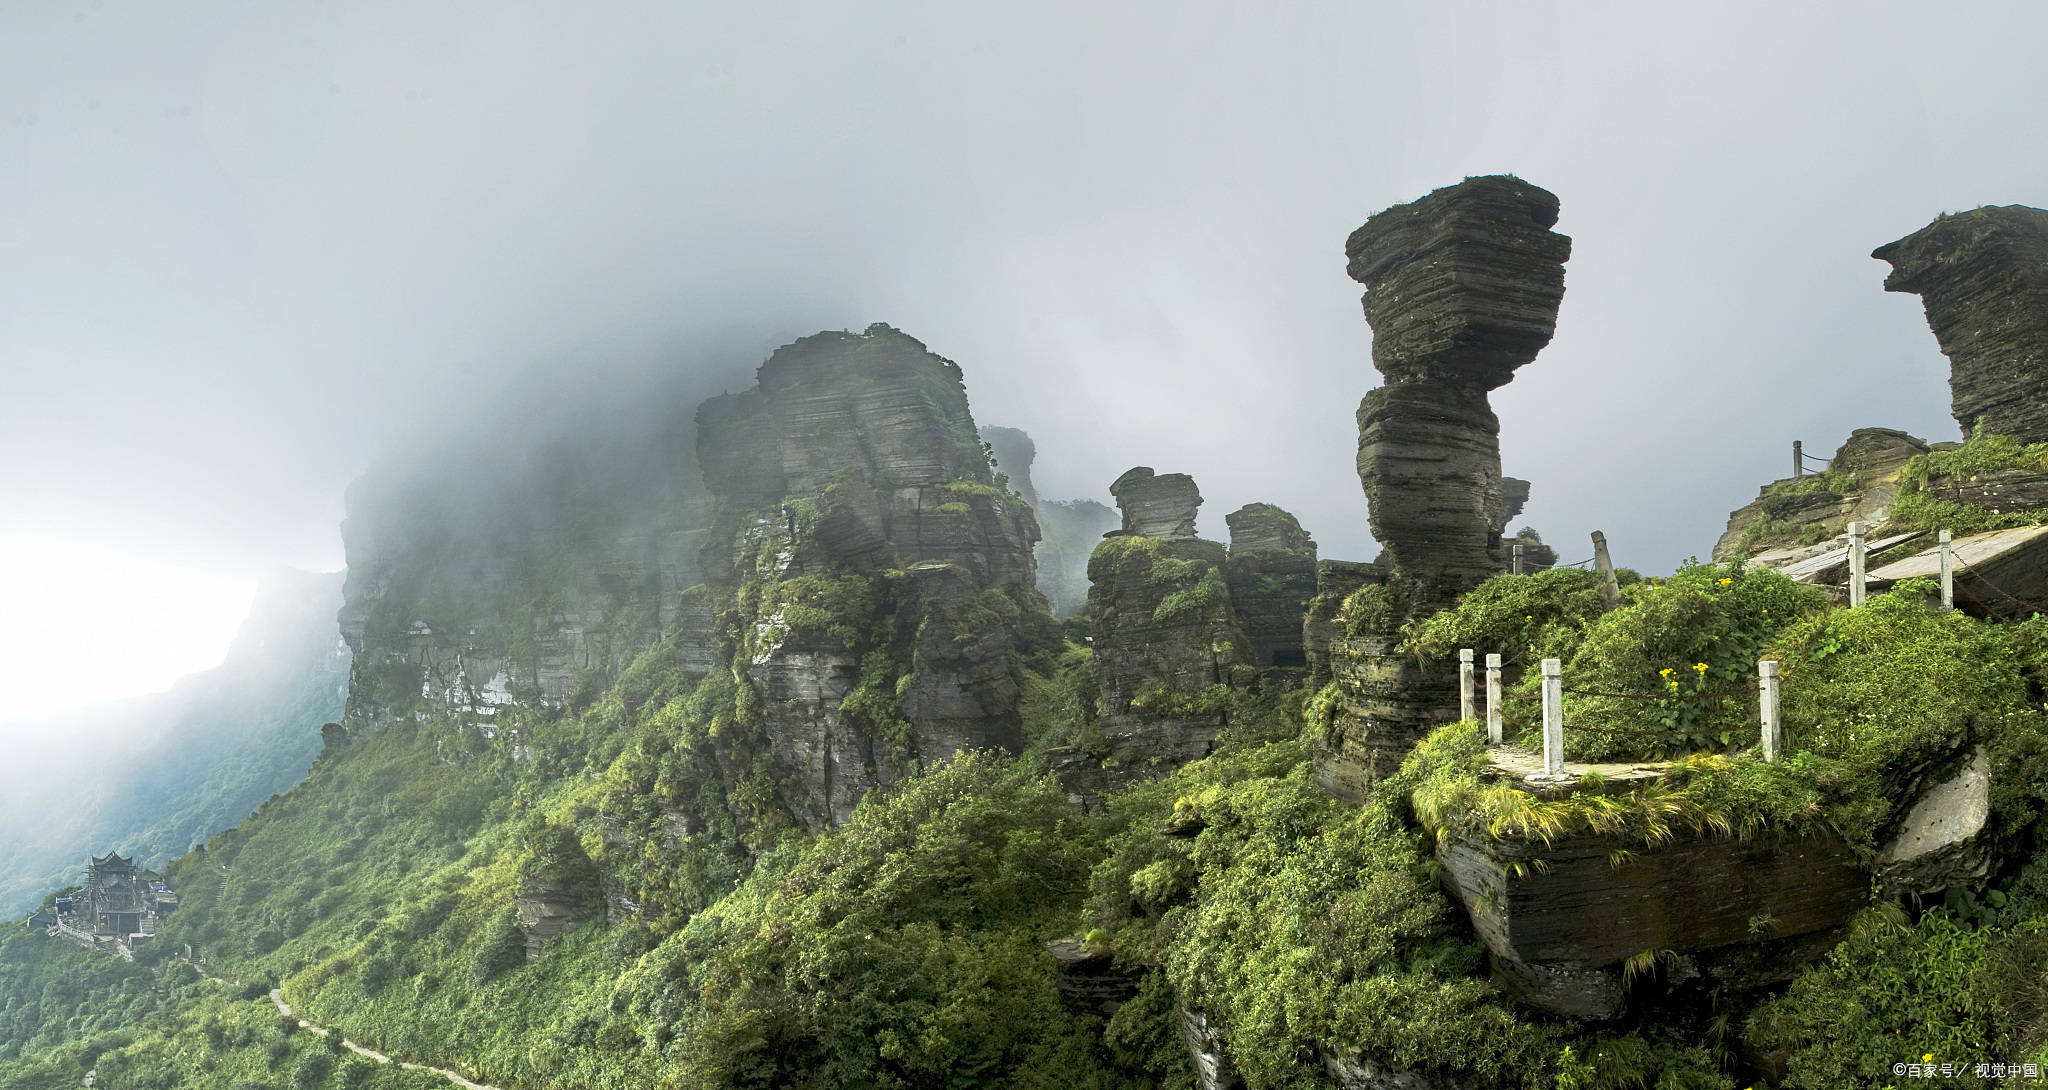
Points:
(246, 247)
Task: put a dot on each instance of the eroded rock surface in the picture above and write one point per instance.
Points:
(481, 577)
(1089, 982)
(1213, 1069)
(1945, 839)
(1271, 573)
(1161, 505)
(1462, 288)
(1983, 278)
(1166, 639)
(1860, 485)
(1559, 921)
(878, 577)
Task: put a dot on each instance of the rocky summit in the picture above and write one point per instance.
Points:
(876, 573)
(1983, 277)
(1462, 288)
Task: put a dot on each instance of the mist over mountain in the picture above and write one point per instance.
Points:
(152, 776)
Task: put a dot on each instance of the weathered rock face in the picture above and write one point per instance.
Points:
(1387, 702)
(1983, 277)
(1462, 288)
(1213, 1069)
(1861, 484)
(877, 579)
(1168, 647)
(1351, 1070)
(1271, 573)
(1157, 505)
(1167, 643)
(1321, 627)
(1089, 982)
(490, 575)
(1069, 529)
(1945, 839)
(1559, 921)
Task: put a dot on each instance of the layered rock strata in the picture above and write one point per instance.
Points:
(1089, 982)
(1271, 574)
(1462, 288)
(1160, 505)
(875, 578)
(1860, 484)
(1983, 278)
(1560, 920)
(1322, 625)
(1166, 640)
(1069, 529)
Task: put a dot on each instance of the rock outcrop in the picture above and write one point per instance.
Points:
(876, 579)
(1068, 529)
(1945, 840)
(1157, 505)
(1271, 574)
(1561, 920)
(1089, 982)
(1213, 1068)
(1462, 288)
(1860, 484)
(1983, 277)
(1167, 643)
(1321, 626)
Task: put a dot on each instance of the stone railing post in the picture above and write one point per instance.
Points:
(1493, 699)
(1553, 718)
(1515, 554)
(1855, 564)
(1798, 461)
(1948, 572)
(1465, 709)
(1767, 708)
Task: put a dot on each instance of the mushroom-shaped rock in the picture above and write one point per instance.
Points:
(1157, 504)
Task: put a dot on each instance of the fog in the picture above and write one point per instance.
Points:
(246, 247)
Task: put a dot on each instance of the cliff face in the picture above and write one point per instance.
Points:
(1069, 528)
(1983, 277)
(1271, 573)
(490, 576)
(871, 579)
(1462, 288)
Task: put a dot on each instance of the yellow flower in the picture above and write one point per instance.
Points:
(1665, 672)
(1724, 580)
(1929, 1058)
(1701, 667)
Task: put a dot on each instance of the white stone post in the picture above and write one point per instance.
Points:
(1553, 718)
(1948, 573)
(1515, 551)
(1855, 564)
(1465, 709)
(1493, 699)
(1798, 461)
(1767, 709)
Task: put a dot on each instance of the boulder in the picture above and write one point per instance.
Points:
(1160, 505)
(1213, 1069)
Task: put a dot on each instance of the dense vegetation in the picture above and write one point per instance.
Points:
(905, 949)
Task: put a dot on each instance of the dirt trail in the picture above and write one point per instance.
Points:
(285, 1009)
